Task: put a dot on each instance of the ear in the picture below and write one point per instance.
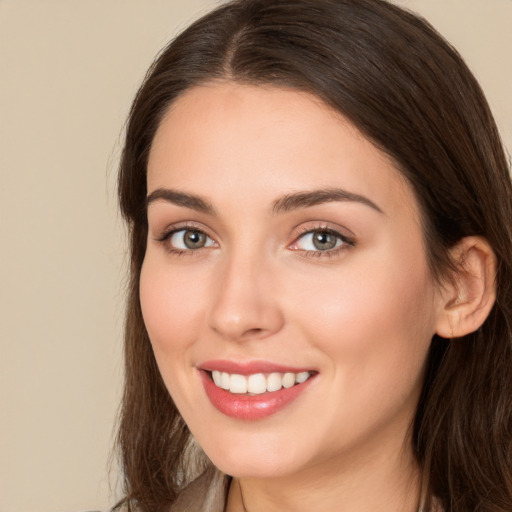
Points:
(468, 295)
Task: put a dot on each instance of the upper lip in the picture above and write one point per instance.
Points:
(249, 367)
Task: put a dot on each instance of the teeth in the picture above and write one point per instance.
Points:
(238, 384)
(274, 382)
(257, 383)
(301, 377)
(288, 380)
(224, 380)
(216, 376)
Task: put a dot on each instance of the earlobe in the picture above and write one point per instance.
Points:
(468, 297)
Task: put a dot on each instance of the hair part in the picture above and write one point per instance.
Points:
(410, 93)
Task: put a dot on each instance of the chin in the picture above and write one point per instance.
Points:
(254, 469)
(256, 458)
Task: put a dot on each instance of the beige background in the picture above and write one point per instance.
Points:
(68, 70)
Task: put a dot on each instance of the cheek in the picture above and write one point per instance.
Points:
(171, 305)
(374, 320)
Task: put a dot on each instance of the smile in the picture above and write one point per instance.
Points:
(255, 390)
(257, 383)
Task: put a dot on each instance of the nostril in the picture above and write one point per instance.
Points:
(253, 332)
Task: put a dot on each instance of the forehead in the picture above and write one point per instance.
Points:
(261, 141)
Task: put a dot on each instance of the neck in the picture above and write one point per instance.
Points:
(379, 484)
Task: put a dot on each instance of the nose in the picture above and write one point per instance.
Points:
(244, 304)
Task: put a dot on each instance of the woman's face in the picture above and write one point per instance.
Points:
(285, 256)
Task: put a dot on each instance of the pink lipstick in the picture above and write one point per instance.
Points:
(253, 390)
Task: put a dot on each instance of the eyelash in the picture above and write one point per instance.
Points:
(346, 242)
(165, 237)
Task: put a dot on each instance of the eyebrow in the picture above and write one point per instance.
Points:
(312, 198)
(284, 204)
(180, 199)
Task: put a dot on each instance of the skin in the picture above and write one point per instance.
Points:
(361, 315)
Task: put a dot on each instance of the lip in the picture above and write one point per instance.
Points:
(250, 407)
(249, 367)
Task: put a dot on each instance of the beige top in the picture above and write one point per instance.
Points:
(207, 493)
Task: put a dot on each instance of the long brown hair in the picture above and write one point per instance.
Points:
(403, 86)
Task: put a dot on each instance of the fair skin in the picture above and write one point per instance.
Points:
(236, 274)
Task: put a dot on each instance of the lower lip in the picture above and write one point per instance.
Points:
(250, 407)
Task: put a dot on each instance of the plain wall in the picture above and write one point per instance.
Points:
(68, 71)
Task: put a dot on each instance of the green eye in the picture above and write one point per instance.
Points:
(320, 240)
(323, 240)
(190, 239)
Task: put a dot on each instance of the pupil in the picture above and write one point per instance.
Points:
(323, 240)
(194, 239)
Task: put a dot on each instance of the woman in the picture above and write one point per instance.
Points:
(320, 299)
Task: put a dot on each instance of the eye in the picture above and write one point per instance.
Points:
(321, 240)
(189, 239)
